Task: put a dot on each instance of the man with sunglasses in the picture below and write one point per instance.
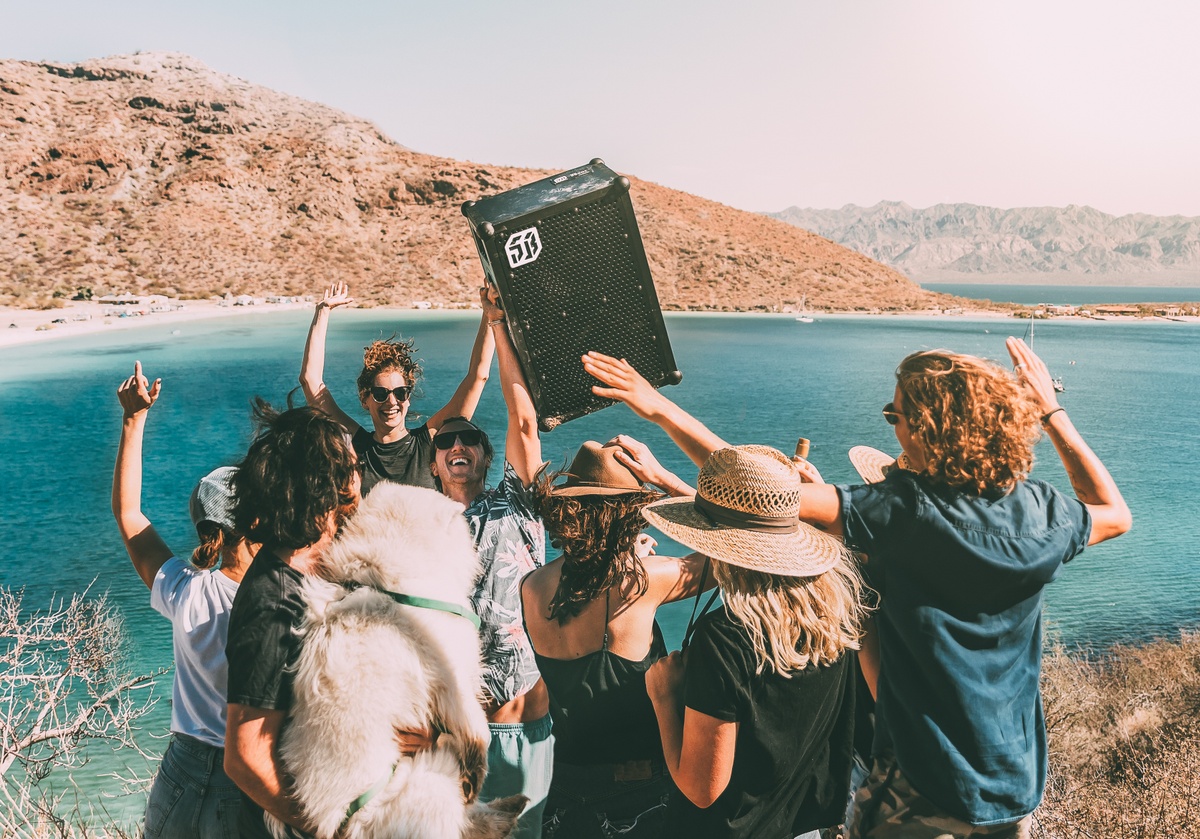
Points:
(510, 540)
(391, 451)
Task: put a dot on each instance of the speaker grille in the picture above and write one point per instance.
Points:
(584, 293)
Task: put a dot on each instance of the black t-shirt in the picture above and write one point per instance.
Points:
(405, 461)
(791, 765)
(262, 650)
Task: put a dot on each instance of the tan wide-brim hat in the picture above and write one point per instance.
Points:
(596, 471)
(873, 465)
(746, 513)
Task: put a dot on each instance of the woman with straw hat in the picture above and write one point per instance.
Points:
(590, 620)
(757, 718)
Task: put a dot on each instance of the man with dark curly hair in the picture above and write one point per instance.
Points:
(960, 547)
(391, 451)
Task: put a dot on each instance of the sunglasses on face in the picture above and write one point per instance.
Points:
(891, 414)
(380, 394)
(468, 436)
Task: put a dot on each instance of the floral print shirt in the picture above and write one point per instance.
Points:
(511, 542)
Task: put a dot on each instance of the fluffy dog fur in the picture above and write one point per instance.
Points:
(369, 666)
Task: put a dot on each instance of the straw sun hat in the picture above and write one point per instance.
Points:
(873, 465)
(745, 513)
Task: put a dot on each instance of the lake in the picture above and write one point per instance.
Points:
(1132, 388)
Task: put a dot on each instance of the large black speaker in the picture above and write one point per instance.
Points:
(566, 256)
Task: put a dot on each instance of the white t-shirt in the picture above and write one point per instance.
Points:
(197, 603)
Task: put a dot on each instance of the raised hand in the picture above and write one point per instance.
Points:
(636, 456)
(136, 394)
(338, 294)
(489, 298)
(624, 384)
(1032, 372)
(808, 472)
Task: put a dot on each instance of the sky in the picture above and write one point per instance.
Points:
(759, 105)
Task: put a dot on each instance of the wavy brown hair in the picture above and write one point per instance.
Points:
(596, 534)
(384, 356)
(299, 471)
(973, 420)
(214, 543)
(795, 621)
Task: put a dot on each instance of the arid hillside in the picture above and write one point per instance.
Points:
(153, 173)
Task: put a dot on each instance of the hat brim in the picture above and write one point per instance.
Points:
(873, 465)
(805, 552)
(569, 490)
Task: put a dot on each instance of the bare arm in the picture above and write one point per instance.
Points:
(251, 762)
(868, 656)
(1092, 483)
(146, 548)
(466, 397)
(621, 382)
(522, 445)
(820, 504)
(698, 749)
(312, 369)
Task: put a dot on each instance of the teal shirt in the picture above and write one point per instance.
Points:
(960, 578)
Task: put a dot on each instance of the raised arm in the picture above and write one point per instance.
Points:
(522, 445)
(621, 382)
(146, 548)
(1090, 480)
(466, 399)
(637, 457)
(312, 368)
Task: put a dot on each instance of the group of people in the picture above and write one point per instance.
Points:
(918, 595)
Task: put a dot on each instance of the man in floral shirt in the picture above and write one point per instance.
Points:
(511, 542)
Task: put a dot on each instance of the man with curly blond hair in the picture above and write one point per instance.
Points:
(960, 547)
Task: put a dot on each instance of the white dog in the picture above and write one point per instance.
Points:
(370, 666)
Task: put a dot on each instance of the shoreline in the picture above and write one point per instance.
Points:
(80, 318)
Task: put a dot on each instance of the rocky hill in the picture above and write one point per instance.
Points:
(153, 173)
(964, 242)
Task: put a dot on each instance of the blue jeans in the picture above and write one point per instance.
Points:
(520, 761)
(588, 802)
(192, 797)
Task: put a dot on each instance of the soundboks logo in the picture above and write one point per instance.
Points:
(523, 247)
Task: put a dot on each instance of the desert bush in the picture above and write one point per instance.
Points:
(1124, 733)
(64, 684)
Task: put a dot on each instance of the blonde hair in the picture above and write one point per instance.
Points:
(975, 423)
(795, 621)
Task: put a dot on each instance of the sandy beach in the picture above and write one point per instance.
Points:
(76, 318)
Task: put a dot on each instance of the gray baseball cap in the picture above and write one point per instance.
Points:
(212, 499)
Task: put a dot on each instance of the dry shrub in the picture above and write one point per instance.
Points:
(1124, 743)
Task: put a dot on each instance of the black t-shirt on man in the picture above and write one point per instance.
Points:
(791, 766)
(262, 651)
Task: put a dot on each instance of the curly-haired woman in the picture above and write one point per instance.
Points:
(960, 549)
(391, 451)
(590, 620)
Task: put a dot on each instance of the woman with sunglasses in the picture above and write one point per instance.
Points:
(590, 619)
(191, 790)
(390, 451)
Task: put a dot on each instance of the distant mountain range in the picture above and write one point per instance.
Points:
(152, 173)
(966, 242)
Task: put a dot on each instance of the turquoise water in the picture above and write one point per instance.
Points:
(1134, 391)
(1070, 295)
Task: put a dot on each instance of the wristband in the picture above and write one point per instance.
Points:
(496, 321)
(1046, 416)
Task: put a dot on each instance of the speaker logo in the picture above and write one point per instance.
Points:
(523, 247)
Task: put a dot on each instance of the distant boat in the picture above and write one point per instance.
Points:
(1055, 381)
(804, 317)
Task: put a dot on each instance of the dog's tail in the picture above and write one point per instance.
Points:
(495, 819)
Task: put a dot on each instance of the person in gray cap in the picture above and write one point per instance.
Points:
(191, 788)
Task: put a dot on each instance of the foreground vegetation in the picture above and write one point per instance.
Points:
(1124, 743)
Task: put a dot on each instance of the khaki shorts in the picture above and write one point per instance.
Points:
(887, 807)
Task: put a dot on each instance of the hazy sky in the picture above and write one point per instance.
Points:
(760, 105)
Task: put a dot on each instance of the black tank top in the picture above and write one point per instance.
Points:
(599, 705)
